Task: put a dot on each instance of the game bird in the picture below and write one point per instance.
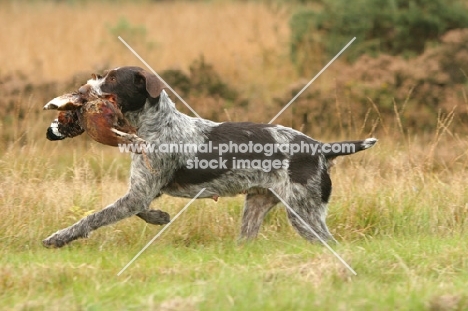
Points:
(97, 115)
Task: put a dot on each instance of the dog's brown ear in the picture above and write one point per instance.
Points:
(154, 86)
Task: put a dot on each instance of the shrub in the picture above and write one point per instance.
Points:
(203, 81)
(204, 89)
(392, 27)
(418, 88)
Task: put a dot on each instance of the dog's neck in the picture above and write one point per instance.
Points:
(156, 115)
(134, 117)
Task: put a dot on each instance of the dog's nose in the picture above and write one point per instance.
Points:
(84, 89)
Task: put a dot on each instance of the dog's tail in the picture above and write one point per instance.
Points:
(342, 148)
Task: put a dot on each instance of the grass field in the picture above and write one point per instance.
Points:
(398, 210)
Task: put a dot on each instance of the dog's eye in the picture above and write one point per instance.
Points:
(112, 79)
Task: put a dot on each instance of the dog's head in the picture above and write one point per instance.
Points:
(132, 86)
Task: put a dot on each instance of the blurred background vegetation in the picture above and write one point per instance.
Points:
(409, 61)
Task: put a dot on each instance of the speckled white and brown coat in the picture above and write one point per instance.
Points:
(305, 183)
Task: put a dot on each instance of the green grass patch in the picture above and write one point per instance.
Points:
(276, 274)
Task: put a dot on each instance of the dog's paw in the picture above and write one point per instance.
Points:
(54, 241)
(155, 217)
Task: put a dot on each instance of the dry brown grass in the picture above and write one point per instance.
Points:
(246, 42)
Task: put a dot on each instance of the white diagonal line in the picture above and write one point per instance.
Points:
(160, 232)
(154, 72)
(316, 235)
(313, 79)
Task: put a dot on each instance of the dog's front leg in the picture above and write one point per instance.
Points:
(154, 217)
(144, 187)
(129, 205)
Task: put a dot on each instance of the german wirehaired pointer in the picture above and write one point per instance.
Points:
(231, 158)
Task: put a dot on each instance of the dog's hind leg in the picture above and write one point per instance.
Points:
(314, 216)
(256, 206)
(309, 204)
